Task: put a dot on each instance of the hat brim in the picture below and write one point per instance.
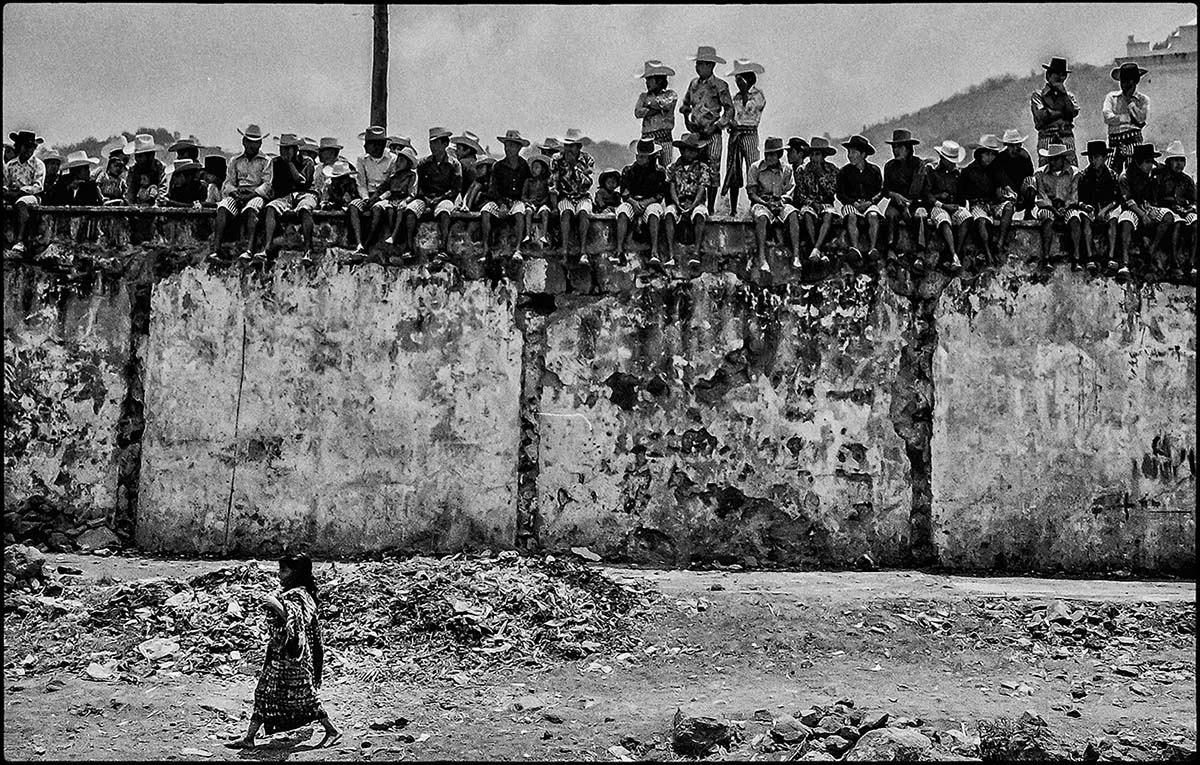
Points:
(755, 70)
(152, 149)
(1116, 72)
(1044, 154)
(1102, 152)
(504, 139)
(17, 139)
(708, 59)
(89, 162)
(436, 136)
(681, 144)
(959, 157)
(866, 150)
(252, 137)
(905, 142)
(659, 73)
(650, 153)
(1056, 71)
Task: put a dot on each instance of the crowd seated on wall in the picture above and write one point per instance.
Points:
(1127, 190)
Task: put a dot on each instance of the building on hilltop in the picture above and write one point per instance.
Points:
(1179, 47)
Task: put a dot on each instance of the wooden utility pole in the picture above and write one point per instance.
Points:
(379, 67)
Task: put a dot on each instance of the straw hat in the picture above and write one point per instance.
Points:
(288, 139)
(1012, 135)
(690, 141)
(539, 158)
(398, 140)
(551, 144)
(438, 132)
(143, 143)
(1053, 150)
(1174, 150)
(512, 136)
(606, 172)
(988, 142)
(575, 135)
(180, 165)
(338, 169)
(470, 140)
(253, 132)
(79, 159)
(655, 68)
(191, 142)
(707, 53)
(410, 154)
(329, 142)
(373, 133)
(773, 145)
(745, 66)
(952, 151)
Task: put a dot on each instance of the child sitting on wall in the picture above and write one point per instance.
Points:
(608, 196)
(538, 198)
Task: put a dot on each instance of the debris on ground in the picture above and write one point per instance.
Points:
(416, 617)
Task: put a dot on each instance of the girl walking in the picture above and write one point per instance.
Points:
(285, 697)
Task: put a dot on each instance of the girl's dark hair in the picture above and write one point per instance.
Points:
(302, 576)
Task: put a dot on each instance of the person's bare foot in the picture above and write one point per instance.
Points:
(240, 743)
(332, 736)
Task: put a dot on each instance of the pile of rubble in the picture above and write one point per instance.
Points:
(49, 526)
(413, 618)
(842, 732)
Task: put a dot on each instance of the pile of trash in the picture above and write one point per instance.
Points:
(417, 617)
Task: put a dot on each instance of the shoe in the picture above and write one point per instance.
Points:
(260, 257)
(245, 257)
(955, 264)
(544, 241)
(873, 255)
(855, 254)
(1091, 266)
(1123, 273)
(796, 262)
(815, 254)
(360, 250)
(517, 256)
(19, 247)
(307, 259)
(1113, 265)
(765, 267)
(389, 241)
(693, 261)
(214, 257)
(616, 258)
(654, 260)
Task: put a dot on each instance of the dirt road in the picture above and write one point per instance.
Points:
(725, 644)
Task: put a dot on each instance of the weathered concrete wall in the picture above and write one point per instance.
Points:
(66, 349)
(711, 419)
(733, 414)
(346, 410)
(1065, 424)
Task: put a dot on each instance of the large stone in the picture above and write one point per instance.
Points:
(697, 736)
(98, 539)
(886, 744)
(788, 729)
(23, 563)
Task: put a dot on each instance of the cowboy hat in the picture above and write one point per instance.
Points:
(745, 66)
(79, 159)
(655, 68)
(143, 143)
(988, 142)
(468, 139)
(330, 142)
(190, 142)
(25, 135)
(902, 136)
(373, 133)
(1174, 150)
(644, 147)
(607, 172)
(180, 165)
(512, 136)
(1144, 151)
(215, 163)
(707, 53)
(1097, 147)
(1012, 135)
(1054, 150)
(859, 143)
(338, 169)
(484, 160)
(797, 143)
(288, 139)
(773, 145)
(410, 154)
(539, 158)
(308, 144)
(253, 132)
(438, 132)
(1056, 66)
(690, 141)
(49, 155)
(113, 147)
(575, 135)
(551, 144)
(951, 150)
(1129, 67)
(820, 144)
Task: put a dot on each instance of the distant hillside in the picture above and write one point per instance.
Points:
(1003, 102)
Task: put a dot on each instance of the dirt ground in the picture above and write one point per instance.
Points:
(731, 644)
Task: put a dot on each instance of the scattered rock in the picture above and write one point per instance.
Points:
(1031, 717)
(1074, 712)
(885, 744)
(696, 736)
(817, 755)
(871, 721)
(849, 733)
(97, 539)
(789, 730)
(24, 563)
(157, 648)
(381, 723)
(811, 716)
(553, 717)
(1126, 671)
(586, 554)
(836, 745)
(530, 703)
(70, 570)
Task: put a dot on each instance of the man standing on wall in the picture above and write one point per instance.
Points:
(707, 108)
(1125, 113)
(1054, 110)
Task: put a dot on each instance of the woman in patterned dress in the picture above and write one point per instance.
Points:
(285, 697)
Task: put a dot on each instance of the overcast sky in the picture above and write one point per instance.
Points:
(74, 70)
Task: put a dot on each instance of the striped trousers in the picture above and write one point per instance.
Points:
(742, 150)
(1122, 145)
